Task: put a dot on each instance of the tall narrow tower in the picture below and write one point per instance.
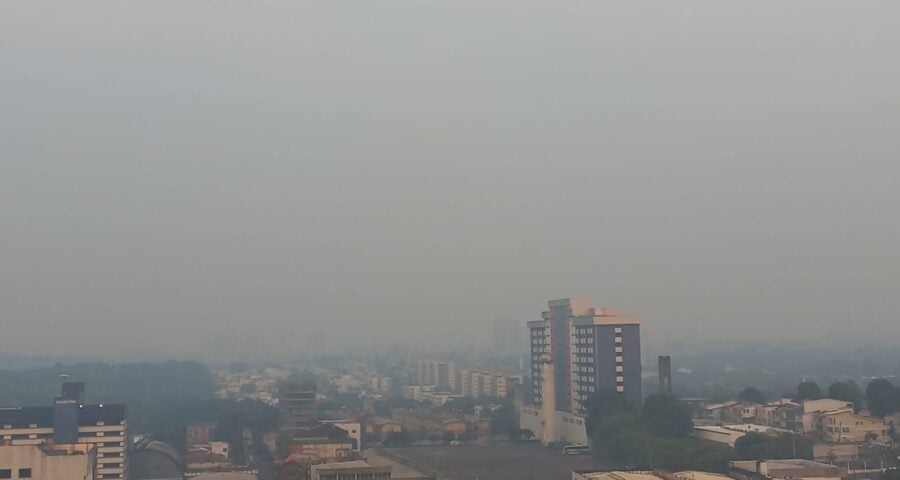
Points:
(665, 374)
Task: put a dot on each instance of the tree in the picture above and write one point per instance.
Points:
(758, 446)
(847, 391)
(891, 474)
(605, 404)
(654, 438)
(752, 395)
(752, 446)
(522, 434)
(503, 421)
(448, 437)
(398, 439)
(882, 396)
(666, 416)
(809, 391)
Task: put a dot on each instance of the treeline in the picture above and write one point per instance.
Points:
(654, 436)
(720, 375)
(881, 396)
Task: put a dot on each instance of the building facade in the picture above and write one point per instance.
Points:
(354, 470)
(70, 422)
(48, 462)
(590, 349)
(297, 405)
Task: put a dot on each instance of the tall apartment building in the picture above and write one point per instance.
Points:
(432, 373)
(70, 422)
(590, 350)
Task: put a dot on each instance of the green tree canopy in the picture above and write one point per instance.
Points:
(656, 436)
(752, 395)
(847, 391)
(666, 416)
(883, 397)
(759, 446)
(809, 391)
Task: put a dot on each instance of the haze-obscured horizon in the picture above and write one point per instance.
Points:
(180, 176)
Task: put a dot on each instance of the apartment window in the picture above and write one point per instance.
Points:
(618, 330)
(5, 473)
(620, 379)
(620, 389)
(24, 473)
(620, 359)
(620, 368)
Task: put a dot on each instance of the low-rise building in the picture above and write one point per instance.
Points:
(382, 427)
(813, 408)
(321, 443)
(844, 426)
(730, 434)
(353, 428)
(568, 427)
(425, 422)
(48, 462)
(646, 475)
(793, 469)
(355, 470)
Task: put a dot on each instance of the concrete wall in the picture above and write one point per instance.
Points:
(78, 464)
(569, 427)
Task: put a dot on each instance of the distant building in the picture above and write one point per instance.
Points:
(355, 470)
(665, 375)
(297, 404)
(439, 377)
(425, 422)
(69, 421)
(786, 469)
(382, 427)
(438, 374)
(49, 462)
(320, 443)
(353, 429)
(591, 350)
(197, 434)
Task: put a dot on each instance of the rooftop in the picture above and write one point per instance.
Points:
(620, 475)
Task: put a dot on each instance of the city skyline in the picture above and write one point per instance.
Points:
(410, 172)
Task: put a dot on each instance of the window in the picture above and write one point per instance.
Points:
(5, 473)
(24, 473)
(620, 389)
(618, 330)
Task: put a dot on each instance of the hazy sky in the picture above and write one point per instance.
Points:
(175, 173)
